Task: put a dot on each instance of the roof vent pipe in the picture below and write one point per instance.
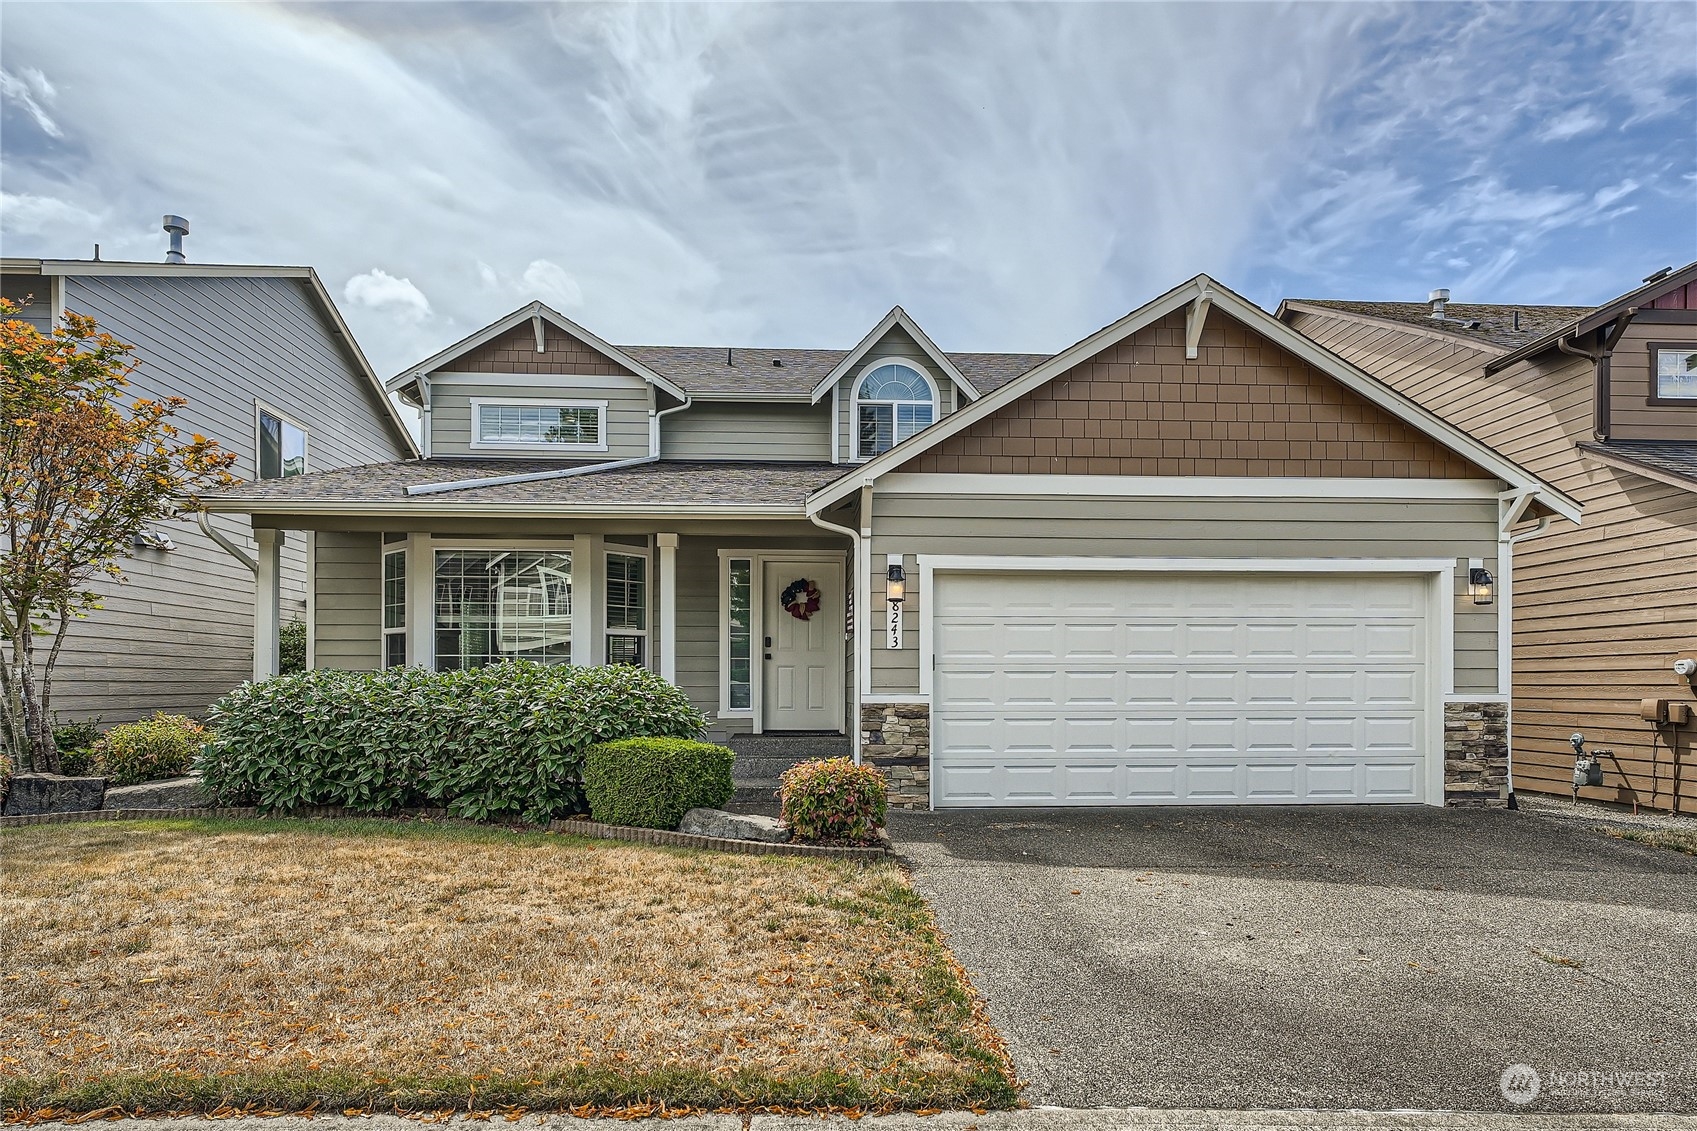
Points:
(178, 227)
(1438, 298)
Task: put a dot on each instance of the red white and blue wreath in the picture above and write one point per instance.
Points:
(800, 599)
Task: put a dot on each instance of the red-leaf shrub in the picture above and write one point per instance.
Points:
(833, 801)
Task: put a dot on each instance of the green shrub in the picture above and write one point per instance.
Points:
(161, 747)
(75, 741)
(502, 741)
(291, 647)
(834, 801)
(652, 782)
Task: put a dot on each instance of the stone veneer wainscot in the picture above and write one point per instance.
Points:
(1476, 754)
(896, 737)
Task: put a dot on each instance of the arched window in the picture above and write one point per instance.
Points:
(892, 402)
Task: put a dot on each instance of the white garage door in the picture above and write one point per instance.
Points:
(1139, 689)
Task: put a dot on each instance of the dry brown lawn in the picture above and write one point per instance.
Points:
(180, 965)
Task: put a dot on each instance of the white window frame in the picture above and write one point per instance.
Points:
(478, 443)
(855, 402)
(643, 633)
(434, 546)
(262, 409)
(384, 631)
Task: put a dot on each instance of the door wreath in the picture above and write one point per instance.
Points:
(800, 599)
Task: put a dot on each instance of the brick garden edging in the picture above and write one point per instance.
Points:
(721, 844)
(317, 812)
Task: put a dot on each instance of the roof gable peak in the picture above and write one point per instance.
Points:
(896, 317)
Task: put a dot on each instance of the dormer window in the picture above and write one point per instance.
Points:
(892, 401)
(539, 425)
(1676, 372)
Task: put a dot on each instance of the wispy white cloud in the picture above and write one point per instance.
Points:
(26, 214)
(378, 290)
(1574, 122)
(29, 89)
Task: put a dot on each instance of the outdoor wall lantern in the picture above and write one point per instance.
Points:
(1481, 586)
(895, 584)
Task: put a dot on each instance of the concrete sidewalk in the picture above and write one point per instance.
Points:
(1035, 1119)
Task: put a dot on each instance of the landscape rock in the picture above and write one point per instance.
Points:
(52, 793)
(733, 826)
(173, 793)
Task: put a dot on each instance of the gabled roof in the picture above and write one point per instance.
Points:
(896, 317)
(1487, 326)
(97, 268)
(1203, 290)
(1599, 316)
(721, 373)
(518, 317)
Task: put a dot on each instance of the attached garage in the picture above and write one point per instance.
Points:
(1058, 686)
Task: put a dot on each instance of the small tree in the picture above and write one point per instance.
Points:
(81, 474)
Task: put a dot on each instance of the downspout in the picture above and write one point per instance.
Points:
(229, 547)
(1600, 359)
(654, 420)
(857, 544)
(424, 416)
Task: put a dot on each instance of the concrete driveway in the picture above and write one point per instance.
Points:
(1320, 957)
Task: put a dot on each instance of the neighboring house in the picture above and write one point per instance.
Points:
(1602, 403)
(269, 371)
(1192, 559)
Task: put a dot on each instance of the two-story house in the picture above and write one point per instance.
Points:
(271, 372)
(1192, 559)
(1601, 402)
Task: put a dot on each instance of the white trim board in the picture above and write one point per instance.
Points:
(896, 317)
(1178, 486)
(460, 381)
(1258, 320)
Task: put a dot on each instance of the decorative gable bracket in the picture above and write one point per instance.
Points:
(1194, 321)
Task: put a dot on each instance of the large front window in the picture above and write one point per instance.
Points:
(893, 402)
(495, 605)
(560, 425)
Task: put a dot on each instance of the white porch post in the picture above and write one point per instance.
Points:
(668, 544)
(421, 602)
(589, 645)
(267, 588)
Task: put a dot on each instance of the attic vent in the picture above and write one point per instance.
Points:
(1439, 298)
(177, 227)
(1662, 274)
(778, 361)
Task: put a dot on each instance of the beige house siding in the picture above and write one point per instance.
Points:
(1601, 610)
(898, 343)
(1243, 407)
(347, 611)
(627, 414)
(737, 430)
(1631, 416)
(1080, 526)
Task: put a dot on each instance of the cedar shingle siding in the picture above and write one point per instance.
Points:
(1243, 407)
(515, 352)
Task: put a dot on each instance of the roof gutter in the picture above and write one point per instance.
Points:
(524, 477)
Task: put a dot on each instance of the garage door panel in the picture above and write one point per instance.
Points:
(1115, 689)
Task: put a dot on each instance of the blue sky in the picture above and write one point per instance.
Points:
(1014, 175)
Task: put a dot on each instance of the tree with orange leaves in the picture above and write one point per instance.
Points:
(82, 470)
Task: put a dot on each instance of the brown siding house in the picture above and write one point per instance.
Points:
(1602, 610)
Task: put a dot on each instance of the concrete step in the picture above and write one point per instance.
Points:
(795, 747)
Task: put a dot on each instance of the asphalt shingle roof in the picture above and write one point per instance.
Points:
(681, 482)
(702, 370)
(1492, 324)
(1673, 457)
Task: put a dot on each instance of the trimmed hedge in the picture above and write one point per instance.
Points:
(650, 783)
(502, 741)
(150, 750)
(833, 801)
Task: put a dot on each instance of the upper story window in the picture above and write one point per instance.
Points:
(892, 402)
(1676, 372)
(554, 425)
(281, 446)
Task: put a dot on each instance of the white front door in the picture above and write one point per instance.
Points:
(803, 665)
(1140, 689)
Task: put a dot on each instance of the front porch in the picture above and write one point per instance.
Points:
(703, 605)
